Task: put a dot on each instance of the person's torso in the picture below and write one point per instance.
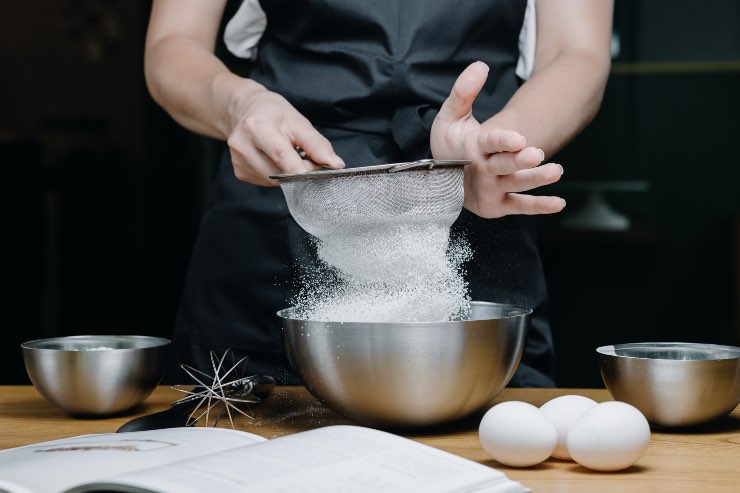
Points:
(353, 64)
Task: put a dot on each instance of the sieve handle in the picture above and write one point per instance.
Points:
(426, 163)
(422, 163)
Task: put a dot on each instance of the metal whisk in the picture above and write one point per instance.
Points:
(226, 386)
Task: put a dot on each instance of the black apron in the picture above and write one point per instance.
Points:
(370, 76)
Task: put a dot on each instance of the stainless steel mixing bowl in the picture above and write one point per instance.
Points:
(408, 374)
(96, 375)
(673, 383)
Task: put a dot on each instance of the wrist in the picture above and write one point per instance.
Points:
(233, 94)
(506, 119)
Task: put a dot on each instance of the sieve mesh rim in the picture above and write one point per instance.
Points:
(422, 164)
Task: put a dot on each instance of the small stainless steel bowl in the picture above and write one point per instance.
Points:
(408, 375)
(673, 383)
(96, 375)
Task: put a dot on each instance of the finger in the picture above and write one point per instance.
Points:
(255, 171)
(252, 166)
(497, 140)
(516, 203)
(279, 149)
(529, 179)
(272, 169)
(505, 163)
(318, 148)
(467, 86)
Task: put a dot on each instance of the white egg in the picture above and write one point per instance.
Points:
(562, 412)
(608, 437)
(517, 434)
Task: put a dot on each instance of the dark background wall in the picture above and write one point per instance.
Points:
(102, 192)
(668, 122)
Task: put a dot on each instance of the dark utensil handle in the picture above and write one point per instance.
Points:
(176, 415)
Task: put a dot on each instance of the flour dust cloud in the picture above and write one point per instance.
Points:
(402, 273)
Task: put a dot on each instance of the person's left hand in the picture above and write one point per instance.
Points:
(501, 166)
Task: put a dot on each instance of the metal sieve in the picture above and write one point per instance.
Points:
(327, 203)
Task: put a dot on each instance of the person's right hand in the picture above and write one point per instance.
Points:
(266, 129)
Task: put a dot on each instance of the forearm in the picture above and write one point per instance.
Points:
(558, 101)
(193, 86)
(261, 128)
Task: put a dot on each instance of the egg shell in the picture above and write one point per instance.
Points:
(517, 434)
(608, 437)
(562, 412)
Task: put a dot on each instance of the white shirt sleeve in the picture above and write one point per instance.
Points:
(245, 29)
(527, 42)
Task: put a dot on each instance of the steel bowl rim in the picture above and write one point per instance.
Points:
(158, 342)
(609, 350)
(522, 311)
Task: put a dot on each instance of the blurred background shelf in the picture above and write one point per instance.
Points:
(644, 68)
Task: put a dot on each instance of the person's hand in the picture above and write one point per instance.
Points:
(266, 130)
(501, 166)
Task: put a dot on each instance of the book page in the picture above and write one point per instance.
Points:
(52, 467)
(331, 459)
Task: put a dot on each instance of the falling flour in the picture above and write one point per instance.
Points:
(404, 273)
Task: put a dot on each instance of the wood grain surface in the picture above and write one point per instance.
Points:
(705, 459)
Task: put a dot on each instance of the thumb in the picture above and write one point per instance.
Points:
(318, 148)
(467, 87)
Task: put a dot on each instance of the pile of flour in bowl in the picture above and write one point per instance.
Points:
(405, 273)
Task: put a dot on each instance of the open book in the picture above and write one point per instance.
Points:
(201, 460)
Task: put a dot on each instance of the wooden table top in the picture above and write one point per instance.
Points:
(705, 460)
